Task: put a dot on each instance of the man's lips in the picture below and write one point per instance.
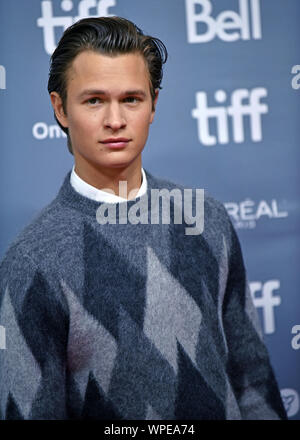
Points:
(115, 142)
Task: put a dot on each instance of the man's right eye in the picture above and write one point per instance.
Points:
(94, 101)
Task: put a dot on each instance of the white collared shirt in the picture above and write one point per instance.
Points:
(91, 192)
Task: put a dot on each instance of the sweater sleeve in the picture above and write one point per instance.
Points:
(249, 367)
(34, 324)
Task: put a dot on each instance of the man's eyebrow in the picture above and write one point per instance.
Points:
(103, 92)
(135, 92)
(91, 92)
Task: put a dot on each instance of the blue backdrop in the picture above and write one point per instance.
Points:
(227, 121)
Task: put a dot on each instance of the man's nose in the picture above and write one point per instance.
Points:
(114, 117)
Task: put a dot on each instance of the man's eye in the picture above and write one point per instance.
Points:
(131, 99)
(94, 101)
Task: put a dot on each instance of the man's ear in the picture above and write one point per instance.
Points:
(154, 106)
(58, 108)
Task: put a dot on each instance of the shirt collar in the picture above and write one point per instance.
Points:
(91, 192)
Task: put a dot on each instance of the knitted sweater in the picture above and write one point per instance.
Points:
(130, 321)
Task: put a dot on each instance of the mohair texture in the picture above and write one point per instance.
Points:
(130, 321)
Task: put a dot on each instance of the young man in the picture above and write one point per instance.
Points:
(125, 319)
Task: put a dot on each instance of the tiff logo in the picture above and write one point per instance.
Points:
(228, 25)
(237, 111)
(2, 338)
(2, 78)
(267, 301)
(48, 22)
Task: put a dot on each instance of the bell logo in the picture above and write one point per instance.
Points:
(237, 111)
(267, 301)
(228, 25)
(48, 22)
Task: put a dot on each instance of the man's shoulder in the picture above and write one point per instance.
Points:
(32, 236)
(42, 235)
(214, 222)
(213, 208)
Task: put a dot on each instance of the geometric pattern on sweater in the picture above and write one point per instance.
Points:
(19, 392)
(130, 322)
(159, 329)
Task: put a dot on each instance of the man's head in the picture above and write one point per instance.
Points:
(109, 36)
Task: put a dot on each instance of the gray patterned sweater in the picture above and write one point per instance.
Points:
(130, 321)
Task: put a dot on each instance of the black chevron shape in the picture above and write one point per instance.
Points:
(12, 410)
(43, 322)
(96, 406)
(74, 400)
(195, 399)
(113, 281)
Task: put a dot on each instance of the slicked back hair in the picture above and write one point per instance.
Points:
(108, 36)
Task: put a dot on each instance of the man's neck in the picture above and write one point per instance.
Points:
(108, 179)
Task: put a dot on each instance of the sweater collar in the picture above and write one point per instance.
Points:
(69, 197)
(98, 195)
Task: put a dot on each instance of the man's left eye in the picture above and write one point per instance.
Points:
(131, 99)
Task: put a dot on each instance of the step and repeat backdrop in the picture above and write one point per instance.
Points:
(227, 120)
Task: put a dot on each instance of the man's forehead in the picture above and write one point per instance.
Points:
(89, 61)
(88, 68)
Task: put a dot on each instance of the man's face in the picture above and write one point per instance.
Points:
(108, 109)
